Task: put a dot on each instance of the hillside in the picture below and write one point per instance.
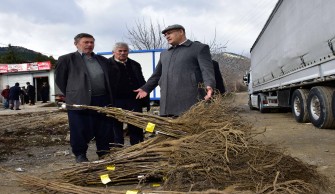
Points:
(17, 54)
(233, 67)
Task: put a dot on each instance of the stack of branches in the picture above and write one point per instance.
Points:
(40, 185)
(46, 186)
(216, 113)
(212, 159)
(210, 148)
(163, 125)
(219, 159)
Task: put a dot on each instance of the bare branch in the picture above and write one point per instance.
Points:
(145, 36)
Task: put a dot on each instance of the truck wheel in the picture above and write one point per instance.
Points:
(319, 107)
(299, 105)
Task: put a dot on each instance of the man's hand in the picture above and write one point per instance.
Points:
(209, 92)
(140, 93)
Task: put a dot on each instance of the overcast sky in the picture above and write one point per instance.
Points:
(48, 26)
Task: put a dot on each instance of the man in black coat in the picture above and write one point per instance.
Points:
(45, 92)
(87, 79)
(31, 93)
(131, 78)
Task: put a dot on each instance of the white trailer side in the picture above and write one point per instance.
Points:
(293, 58)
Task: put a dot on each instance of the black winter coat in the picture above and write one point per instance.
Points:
(137, 70)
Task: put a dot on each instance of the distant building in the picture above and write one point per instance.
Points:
(36, 73)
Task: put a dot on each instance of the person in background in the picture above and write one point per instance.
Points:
(5, 95)
(14, 97)
(131, 78)
(31, 93)
(24, 99)
(218, 78)
(179, 72)
(45, 92)
(87, 79)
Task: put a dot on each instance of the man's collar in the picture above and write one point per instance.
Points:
(82, 54)
(183, 42)
(120, 61)
(187, 42)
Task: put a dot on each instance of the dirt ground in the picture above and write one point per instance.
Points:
(35, 142)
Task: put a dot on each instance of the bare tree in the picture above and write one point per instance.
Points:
(146, 36)
(214, 46)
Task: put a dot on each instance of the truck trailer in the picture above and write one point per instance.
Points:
(293, 62)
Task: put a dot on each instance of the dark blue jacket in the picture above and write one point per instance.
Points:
(14, 93)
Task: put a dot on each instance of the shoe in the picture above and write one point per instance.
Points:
(81, 158)
(11, 108)
(17, 109)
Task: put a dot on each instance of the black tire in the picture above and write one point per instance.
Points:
(333, 104)
(319, 105)
(299, 105)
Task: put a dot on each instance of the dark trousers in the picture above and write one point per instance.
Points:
(88, 124)
(44, 96)
(31, 99)
(135, 133)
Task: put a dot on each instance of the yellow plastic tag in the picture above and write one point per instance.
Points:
(150, 127)
(156, 185)
(132, 192)
(105, 178)
(111, 167)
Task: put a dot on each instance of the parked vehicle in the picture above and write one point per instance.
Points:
(293, 62)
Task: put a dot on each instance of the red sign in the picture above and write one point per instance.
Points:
(36, 66)
(44, 65)
(3, 69)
